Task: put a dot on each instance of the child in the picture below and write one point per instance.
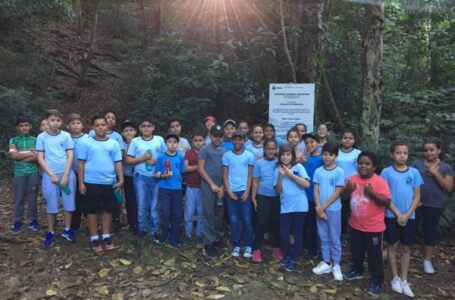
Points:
(347, 160)
(328, 183)
(256, 146)
(209, 122)
(438, 179)
(211, 171)
(55, 157)
(323, 133)
(302, 130)
(43, 125)
(370, 196)
(129, 133)
(75, 128)
(237, 171)
(169, 169)
(142, 154)
(291, 179)
(245, 129)
(266, 202)
(111, 118)
(293, 138)
(175, 127)
(269, 133)
(26, 180)
(404, 183)
(193, 195)
(228, 129)
(100, 164)
(313, 161)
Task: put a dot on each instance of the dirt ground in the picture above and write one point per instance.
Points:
(140, 269)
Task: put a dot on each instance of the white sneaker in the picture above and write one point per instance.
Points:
(247, 252)
(405, 286)
(396, 285)
(428, 267)
(322, 268)
(336, 271)
(236, 252)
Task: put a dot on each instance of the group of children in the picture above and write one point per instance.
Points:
(303, 192)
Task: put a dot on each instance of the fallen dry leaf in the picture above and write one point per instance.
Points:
(104, 272)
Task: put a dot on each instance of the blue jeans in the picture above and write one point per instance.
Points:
(330, 236)
(239, 211)
(171, 214)
(193, 203)
(295, 222)
(147, 203)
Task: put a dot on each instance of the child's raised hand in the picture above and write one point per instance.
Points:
(368, 190)
(433, 169)
(281, 170)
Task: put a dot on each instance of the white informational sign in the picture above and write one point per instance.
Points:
(290, 104)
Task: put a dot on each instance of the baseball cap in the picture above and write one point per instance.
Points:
(211, 118)
(310, 135)
(128, 123)
(238, 133)
(216, 129)
(229, 121)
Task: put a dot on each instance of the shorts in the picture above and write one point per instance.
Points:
(52, 193)
(430, 222)
(395, 232)
(99, 198)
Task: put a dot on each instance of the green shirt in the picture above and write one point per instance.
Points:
(23, 144)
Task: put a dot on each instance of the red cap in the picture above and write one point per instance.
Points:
(210, 118)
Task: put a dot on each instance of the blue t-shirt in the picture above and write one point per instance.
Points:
(77, 141)
(178, 168)
(348, 161)
(113, 135)
(100, 157)
(139, 146)
(248, 142)
(264, 170)
(128, 170)
(328, 181)
(258, 152)
(402, 185)
(237, 169)
(312, 163)
(293, 197)
(54, 148)
(227, 144)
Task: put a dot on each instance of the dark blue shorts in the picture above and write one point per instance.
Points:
(100, 198)
(396, 233)
(430, 217)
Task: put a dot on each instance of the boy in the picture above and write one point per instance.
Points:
(168, 171)
(142, 154)
(43, 125)
(75, 128)
(55, 157)
(237, 177)
(100, 164)
(129, 133)
(175, 127)
(228, 128)
(26, 180)
(193, 196)
(313, 161)
(328, 183)
(404, 183)
(211, 171)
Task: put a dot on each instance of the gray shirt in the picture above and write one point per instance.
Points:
(432, 195)
(212, 157)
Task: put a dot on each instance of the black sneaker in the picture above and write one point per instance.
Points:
(220, 244)
(210, 251)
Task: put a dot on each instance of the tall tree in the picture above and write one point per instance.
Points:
(373, 81)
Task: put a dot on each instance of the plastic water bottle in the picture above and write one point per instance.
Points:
(64, 188)
(118, 196)
(167, 165)
(148, 166)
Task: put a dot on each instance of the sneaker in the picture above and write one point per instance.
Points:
(396, 285)
(200, 240)
(142, 234)
(186, 242)
(174, 246)
(220, 244)
(155, 237)
(210, 251)
(406, 287)
(285, 261)
(352, 275)
(336, 271)
(16, 227)
(160, 240)
(96, 246)
(108, 245)
(69, 235)
(247, 252)
(291, 266)
(48, 239)
(236, 252)
(428, 267)
(257, 256)
(374, 289)
(322, 268)
(34, 225)
(277, 253)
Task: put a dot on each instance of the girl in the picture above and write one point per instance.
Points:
(323, 133)
(257, 145)
(293, 138)
(291, 180)
(370, 196)
(209, 121)
(437, 180)
(347, 160)
(269, 133)
(266, 201)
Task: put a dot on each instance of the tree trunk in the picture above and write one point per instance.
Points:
(77, 8)
(286, 45)
(89, 55)
(157, 24)
(373, 81)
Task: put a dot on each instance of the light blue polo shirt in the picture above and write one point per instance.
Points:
(139, 146)
(328, 181)
(54, 148)
(264, 170)
(293, 197)
(237, 169)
